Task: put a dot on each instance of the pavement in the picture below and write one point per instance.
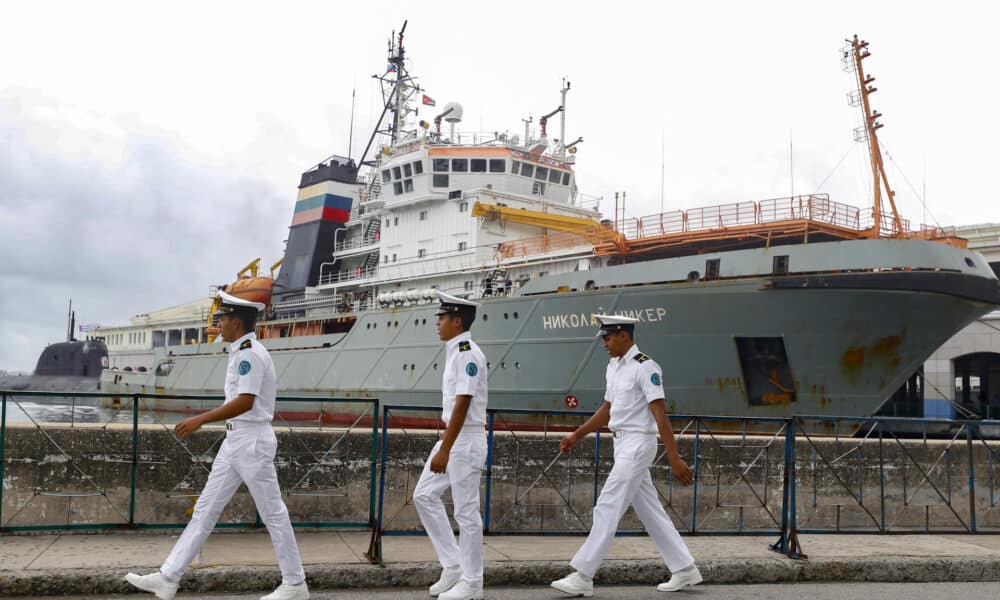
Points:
(243, 562)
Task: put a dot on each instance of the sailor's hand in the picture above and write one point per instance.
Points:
(568, 442)
(681, 471)
(187, 426)
(439, 462)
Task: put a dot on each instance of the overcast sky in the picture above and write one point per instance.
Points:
(149, 150)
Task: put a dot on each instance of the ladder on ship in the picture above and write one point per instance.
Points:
(494, 284)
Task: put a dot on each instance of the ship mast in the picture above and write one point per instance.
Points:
(852, 56)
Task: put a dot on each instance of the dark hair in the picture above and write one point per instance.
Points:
(248, 319)
(466, 316)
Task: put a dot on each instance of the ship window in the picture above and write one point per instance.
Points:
(767, 376)
(780, 265)
(440, 181)
(407, 170)
(468, 286)
(538, 188)
(459, 165)
(397, 188)
(396, 174)
(712, 268)
(385, 176)
(387, 223)
(541, 173)
(496, 165)
(407, 185)
(441, 165)
(514, 167)
(565, 178)
(385, 259)
(463, 206)
(395, 220)
(527, 170)
(554, 176)
(462, 246)
(393, 258)
(422, 252)
(418, 167)
(478, 165)
(423, 215)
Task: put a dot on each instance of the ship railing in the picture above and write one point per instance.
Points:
(543, 244)
(348, 274)
(354, 244)
(115, 462)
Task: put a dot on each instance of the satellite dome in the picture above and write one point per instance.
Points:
(455, 116)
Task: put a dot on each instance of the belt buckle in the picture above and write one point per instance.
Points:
(229, 426)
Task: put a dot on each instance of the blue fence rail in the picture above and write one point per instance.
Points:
(754, 476)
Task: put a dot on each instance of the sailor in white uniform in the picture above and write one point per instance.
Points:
(246, 456)
(634, 409)
(457, 458)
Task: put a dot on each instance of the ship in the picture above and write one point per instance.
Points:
(796, 305)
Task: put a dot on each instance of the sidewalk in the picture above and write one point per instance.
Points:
(239, 562)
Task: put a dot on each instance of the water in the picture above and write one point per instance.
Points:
(85, 412)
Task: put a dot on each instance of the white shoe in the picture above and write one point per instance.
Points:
(449, 577)
(155, 583)
(575, 585)
(681, 580)
(462, 591)
(289, 592)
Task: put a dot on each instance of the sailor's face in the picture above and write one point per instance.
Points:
(616, 343)
(227, 327)
(448, 326)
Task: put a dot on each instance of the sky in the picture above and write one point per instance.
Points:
(150, 150)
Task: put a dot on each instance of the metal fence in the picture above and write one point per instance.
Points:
(754, 476)
(127, 474)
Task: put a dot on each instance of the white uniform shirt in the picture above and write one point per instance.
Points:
(634, 380)
(464, 375)
(251, 371)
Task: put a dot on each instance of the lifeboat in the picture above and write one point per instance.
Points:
(254, 289)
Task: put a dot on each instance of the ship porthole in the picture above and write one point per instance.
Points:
(404, 366)
(369, 325)
(515, 315)
(416, 321)
(485, 317)
(435, 366)
(395, 324)
(503, 364)
(425, 322)
(969, 262)
(506, 316)
(517, 365)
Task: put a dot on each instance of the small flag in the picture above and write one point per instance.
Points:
(391, 69)
(428, 100)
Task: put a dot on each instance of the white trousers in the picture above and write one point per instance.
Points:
(468, 455)
(629, 483)
(246, 456)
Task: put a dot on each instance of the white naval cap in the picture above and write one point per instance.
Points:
(452, 304)
(231, 304)
(613, 323)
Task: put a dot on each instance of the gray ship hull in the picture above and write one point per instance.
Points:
(847, 348)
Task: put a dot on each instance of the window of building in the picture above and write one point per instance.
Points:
(712, 268)
(385, 176)
(554, 176)
(527, 170)
(463, 206)
(395, 220)
(541, 173)
(565, 178)
(397, 187)
(393, 258)
(538, 188)
(515, 167)
(422, 252)
(396, 174)
(439, 181)
(497, 165)
(423, 215)
(462, 246)
(478, 165)
(468, 285)
(459, 165)
(407, 170)
(418, 167)
(407, 185)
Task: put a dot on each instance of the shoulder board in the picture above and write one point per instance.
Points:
(464, 346)
(640, 357)
(246, 345)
